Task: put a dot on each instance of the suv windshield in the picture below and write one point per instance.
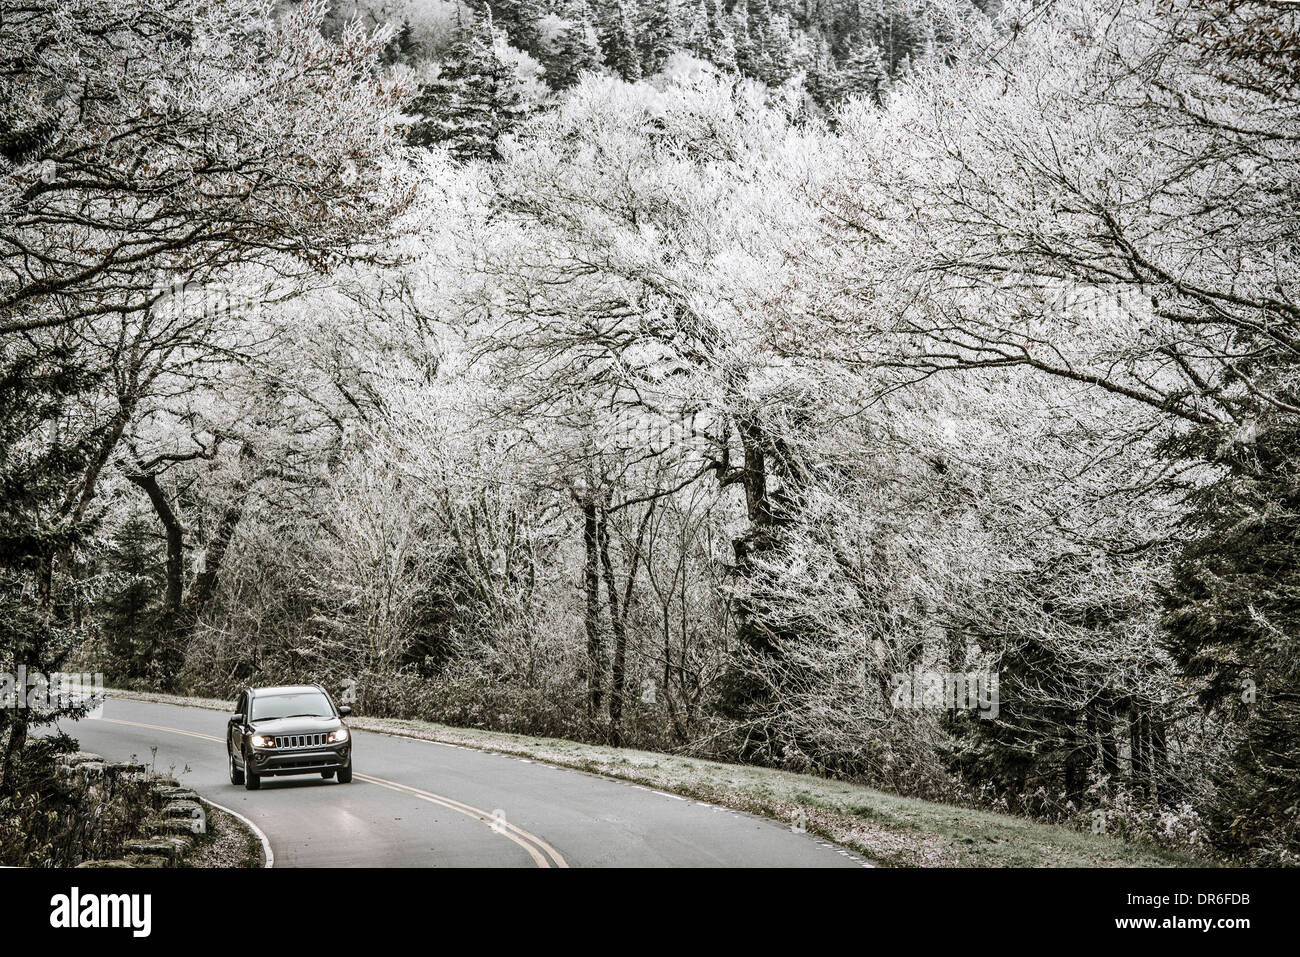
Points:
(306, 704)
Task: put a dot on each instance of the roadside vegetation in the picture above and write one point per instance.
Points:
(230, 843)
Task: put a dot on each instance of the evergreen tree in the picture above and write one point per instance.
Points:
(864, 72)
(132, 627)
(474, 99)
(724, 56)
(714, 38)
(576, 50)
(1233, 620)
(618, 40)
(823, 79)
(778, 57)
(659, 34)
(520, 20)
(693, 19)
(746, 60)
(37, 466)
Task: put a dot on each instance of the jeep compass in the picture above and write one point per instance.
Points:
(295, 729)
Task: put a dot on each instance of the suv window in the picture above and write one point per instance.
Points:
(312, 704)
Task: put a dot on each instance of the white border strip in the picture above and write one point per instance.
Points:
(261, 836)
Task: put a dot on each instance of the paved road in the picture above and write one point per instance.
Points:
(416, 803)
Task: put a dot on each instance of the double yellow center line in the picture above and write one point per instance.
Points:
(542, 853)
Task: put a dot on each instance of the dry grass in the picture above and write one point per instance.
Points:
(230, 843)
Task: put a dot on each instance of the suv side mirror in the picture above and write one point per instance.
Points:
(345, 711)
(236, 718)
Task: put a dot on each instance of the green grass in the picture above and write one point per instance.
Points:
(886, 828)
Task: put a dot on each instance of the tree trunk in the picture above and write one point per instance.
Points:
(754, 476)
(591, 617)
(616, 622)
(1102, 728)
(618, 611)
(79, 499)
(1138, 762)
(205, 582)
(175, 542)
(1159, 755)
(1077, 760)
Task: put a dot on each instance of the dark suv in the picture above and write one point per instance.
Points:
(296, 729)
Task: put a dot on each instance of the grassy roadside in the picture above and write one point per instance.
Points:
(888, 829)
(230, 843)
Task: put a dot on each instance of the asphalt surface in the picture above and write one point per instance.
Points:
(415, 803)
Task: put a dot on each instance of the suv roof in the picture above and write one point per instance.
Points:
(284, 689)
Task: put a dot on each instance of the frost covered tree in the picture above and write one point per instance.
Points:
(475, 97)
(618, 41)
(138, 151)
(152, 148)
(576, 49)
(1111, 206)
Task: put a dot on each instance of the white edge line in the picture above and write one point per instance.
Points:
(261, 836)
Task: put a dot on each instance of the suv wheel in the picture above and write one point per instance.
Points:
(345, 773)
(251, 781)
(236, 775)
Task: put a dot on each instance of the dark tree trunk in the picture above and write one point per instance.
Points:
(617, 627)
(618, 611)
(79, 499)
(205, 582)
(758, 537)
(1101, 729)
(1139, 764)
(14, 746)
(175, 542)
(591, 617)
(741, 695)
(1159, 755)
(1109, 749)
(1077, 760)
(754, 476)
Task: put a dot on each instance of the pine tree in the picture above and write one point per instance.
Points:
(474, 99)
(37, 466)
(659, 38)
(1233, 614)
(778, 59)
(742, 40)
(714, 36)
(131, 622)
(576, 50)
(618, 40)
(823, 79)
(722, 38)
(693, 19)
(864, 72)
(520, 21)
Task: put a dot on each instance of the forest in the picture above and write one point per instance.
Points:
(732, 378)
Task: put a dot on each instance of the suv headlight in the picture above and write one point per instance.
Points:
(262, 741)
(337, 736)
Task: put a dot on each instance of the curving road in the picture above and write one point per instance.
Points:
(416, 803)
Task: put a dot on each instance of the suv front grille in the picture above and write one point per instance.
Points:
(300, 740)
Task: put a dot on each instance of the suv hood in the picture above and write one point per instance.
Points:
(295, 725)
